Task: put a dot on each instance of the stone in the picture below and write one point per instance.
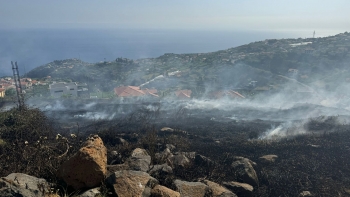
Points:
(161, 191)
(163, 156)
(218, 190)
(201, 160)
(164, 168)
(140, 160)
(240, 189)
(305, 194)
(192, 189)
(268, 159)
(170, 147)
(128, 183)
(244, 170)
(88, 167)
(90, 193)
(18, 184)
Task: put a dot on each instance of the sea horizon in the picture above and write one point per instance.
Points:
(35, 47)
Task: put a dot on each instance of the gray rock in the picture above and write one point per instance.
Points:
(163, 156)
(192, 189)
(241, 189)
(218, 190)
(18, 184)
(90, 193)
(128, 183)
(157, 169)
(170, 147)
(140, 160)
(244, 170)
(305, 194)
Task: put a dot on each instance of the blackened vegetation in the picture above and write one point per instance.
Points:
(317, 162)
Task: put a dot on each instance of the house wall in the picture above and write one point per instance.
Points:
(2, 93)
(60, 89)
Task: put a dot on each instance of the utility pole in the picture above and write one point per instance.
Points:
(18, 85)
(314, 35)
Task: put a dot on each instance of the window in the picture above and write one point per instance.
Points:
(71, 89)
(58, 91)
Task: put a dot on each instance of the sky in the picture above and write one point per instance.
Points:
(184, 26)
(221, 15)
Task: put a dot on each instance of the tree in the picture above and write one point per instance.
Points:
(10, 92)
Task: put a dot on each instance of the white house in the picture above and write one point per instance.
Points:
(62, 88)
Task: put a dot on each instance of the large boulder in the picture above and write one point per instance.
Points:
(244, 170)
(88, 167)
(18, 184)
(241, 189)
(128, 183)
(218, 190)
(192, 189)
(161, 191)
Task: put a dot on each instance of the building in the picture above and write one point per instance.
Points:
(134, 91)
(183, 94)
(63, 89)
(226, 94)
(2, 92)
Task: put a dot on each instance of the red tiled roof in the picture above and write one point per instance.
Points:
(229, 93)
(2, 89)
(131, 91)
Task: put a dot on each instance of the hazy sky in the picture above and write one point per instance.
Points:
(279, 15)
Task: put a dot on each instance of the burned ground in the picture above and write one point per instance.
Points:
(316, 161)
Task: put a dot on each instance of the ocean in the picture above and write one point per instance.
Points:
(36, 47)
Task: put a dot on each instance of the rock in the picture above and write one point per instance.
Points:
(157, 169)
(240, 189)
(88, 167)
(179, 160)
(218, 190)
(192, 189)
(170, 147)
(18, 184)
(201, 160)
(129, 183)
(90, 193)
(163, 156)
(161, 191)
(305, 194)
(244, 170)
(268, 159)
(121, 141)
(139, 160)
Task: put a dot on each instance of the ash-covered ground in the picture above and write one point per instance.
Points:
(311, 140)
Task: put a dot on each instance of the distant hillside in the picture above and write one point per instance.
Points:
(321, 62)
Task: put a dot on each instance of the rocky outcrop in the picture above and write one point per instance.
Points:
(218, 190)
(161, 191)
(18, 184)
(267, 159)
(129, 183)
(241, 189)
(244, 170)
(86, 168)
(192, 189)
